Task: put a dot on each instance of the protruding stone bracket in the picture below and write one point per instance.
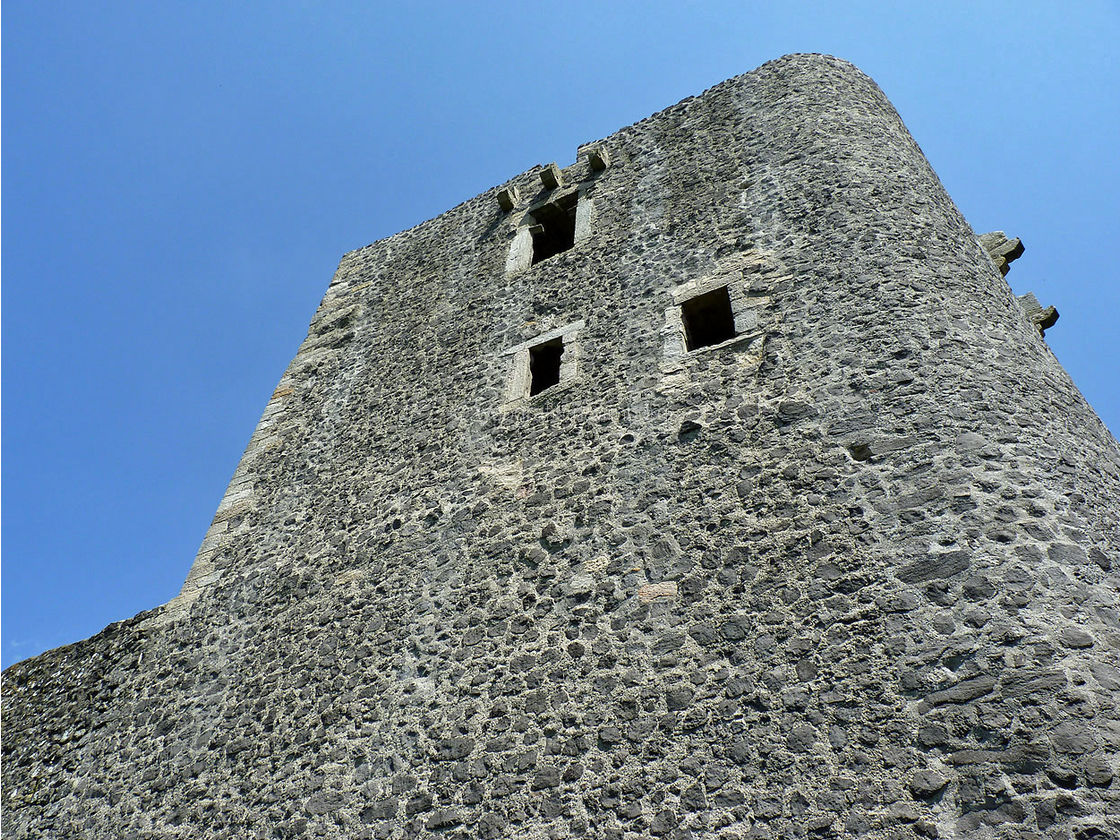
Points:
(1002, 250)
(508, 198)
(1043, 318)
(598, 159)
(551, 177)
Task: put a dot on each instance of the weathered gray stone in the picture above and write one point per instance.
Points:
(546, 777)
(1072, 738)
(962, 692)
(1075, 637)
(934, 566)
(1097, 770)
(926, 783)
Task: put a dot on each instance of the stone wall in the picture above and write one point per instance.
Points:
(852, 571)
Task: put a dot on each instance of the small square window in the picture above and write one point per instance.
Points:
(708, 319)
(544, 365)
(554, 230)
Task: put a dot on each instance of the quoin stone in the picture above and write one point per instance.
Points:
(715, 485)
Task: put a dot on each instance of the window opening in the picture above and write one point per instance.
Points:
(708, 319)
(544, 365)
(555, 228)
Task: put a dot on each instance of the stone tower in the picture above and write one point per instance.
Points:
(714, 486)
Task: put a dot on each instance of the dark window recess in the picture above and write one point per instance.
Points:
(708, 319)
(544, 365)
(554, 230)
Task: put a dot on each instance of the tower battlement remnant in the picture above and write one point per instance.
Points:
(714, 486)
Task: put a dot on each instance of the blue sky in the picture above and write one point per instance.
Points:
(181, 178)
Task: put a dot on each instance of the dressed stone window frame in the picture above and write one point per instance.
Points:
(520, 378)
(521, 248)
(744, 313)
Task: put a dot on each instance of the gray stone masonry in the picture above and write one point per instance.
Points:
(832, 552)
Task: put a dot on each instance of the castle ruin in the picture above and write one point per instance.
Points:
(714, 486)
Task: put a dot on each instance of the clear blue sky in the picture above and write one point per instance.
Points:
(180, 179)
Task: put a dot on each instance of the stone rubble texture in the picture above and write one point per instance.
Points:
(852, 574)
